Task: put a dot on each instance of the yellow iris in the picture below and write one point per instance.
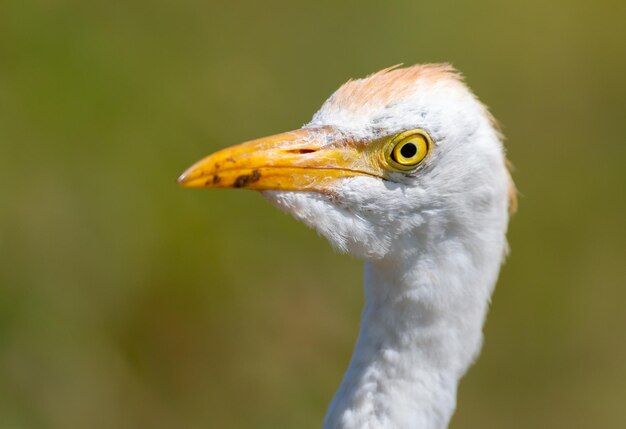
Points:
(409, 149)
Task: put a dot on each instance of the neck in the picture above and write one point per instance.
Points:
(421, 329)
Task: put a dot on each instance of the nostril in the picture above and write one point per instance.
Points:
(301, 151)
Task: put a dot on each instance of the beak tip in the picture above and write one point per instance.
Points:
(183, 179)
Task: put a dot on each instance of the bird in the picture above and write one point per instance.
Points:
(406, 170)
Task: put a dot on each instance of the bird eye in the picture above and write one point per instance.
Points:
(409, 149)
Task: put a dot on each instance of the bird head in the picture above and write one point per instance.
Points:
(401, 154)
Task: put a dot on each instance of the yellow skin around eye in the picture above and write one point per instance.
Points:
(421, 142)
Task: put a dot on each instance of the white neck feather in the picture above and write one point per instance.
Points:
(421, 329)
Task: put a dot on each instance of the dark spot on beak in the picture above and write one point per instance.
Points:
(245, 179)
(255, 176)
(230, 159)
(216, 179)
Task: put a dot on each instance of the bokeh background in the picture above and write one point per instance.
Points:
(128, 302)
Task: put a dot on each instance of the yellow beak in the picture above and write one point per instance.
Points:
(310, 159)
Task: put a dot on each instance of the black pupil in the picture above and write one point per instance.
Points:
(408, 150)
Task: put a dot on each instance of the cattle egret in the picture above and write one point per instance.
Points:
(406, 170)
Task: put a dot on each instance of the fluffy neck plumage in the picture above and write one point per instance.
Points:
(421, 329)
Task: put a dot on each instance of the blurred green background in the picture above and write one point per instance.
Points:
(128, 302)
